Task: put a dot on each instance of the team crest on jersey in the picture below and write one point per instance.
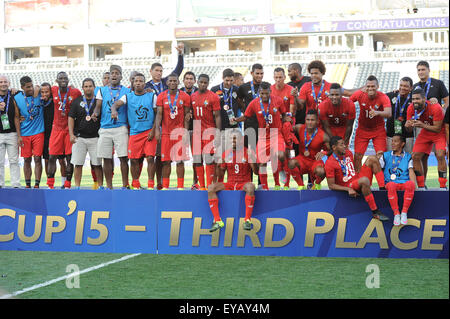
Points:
(206, 102)
(274, 110)
(82, 104)
(394, 99)
(181, 102)
(193, 102)
(244, 160)
(376, 106)
(285, 98)
(326, 93)
(219, 93)
(234, 95)
(70, 98)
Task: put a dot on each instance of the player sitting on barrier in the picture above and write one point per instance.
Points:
(342, 176)
(238, 165)
(399, 176)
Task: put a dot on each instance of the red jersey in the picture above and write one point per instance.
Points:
(168, 123)
(316, 145)
(237, 166)
(334, 169)
(203, 107)
(314, 99)
(379, 103)
(337, 116)
(285, 95)
(432, 112)
(273, 112)
(60, 121)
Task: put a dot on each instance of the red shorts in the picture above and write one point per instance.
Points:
(269, 147)
(173, 150)
(424, 144)
(32, 145)
(363, 137)
(365, 171)
(59, 143)
(201, 146)
(139, 146)
(308, 166)
(231, 186)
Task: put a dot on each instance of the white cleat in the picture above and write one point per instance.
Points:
(404, 219)
(397, 220)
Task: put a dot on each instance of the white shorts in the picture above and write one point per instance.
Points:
(109, 138)
(83, 146)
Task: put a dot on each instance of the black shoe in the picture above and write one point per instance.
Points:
(379, 215)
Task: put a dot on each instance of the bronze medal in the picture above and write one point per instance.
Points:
(88, 118)
(306, 153)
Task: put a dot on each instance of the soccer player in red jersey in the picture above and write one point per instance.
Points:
(313, 145)
(206, 112)
(337, 114)
(342, 176)
(283, 91)
(374, 107)
(172, 107)
(429, 117)
(271, 145)
(59, 143)
(239, 165)
(314, 93)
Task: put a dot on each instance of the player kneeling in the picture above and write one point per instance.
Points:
(238, 166)
(341, 174)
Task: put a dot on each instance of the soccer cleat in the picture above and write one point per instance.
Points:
(100, 188)
(195, 187)
(247, 225)
(443, 188)
(95, 185)
(286, 188)
(27, 186)
(316, 187)
(277, 187)
(180, 188)
(67, 184)
(283, 176)
(421, 189)
(379, 215)
(77, 187)
(397, 220)
(36, 186)
(302, 188)
(217, 225)
(404, 219)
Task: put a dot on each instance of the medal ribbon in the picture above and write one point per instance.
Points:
(310, 140)
(316, 98)
(227, 98)
(115, 98)
(396, 160)
(7, 101)
(427, 86)
(266, 115)
(30, 109)
(174, 105)
(343, 168)
(63, 106)
(255, 95)
(402, 108)
(158, 88)
(87, 107)
(417, 116)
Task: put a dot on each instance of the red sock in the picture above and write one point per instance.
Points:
(249, 201)
(166, 182)
(214, 206)
(276, 178)
(288, 174)
(380, 179)
(135, 183)
(51, 182)
(180, 182)
(210, 170)
(94, 176)
(263, 178)
(420, 181)
(297, 177)
(200, 170)
(408, 195)
(221, 178)
(442, 182)
(151, 183)
(392, 196)
(371, 201)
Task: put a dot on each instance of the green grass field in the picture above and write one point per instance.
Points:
(32, 274)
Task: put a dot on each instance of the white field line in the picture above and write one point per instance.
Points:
(50, 282)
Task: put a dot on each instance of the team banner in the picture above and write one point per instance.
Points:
(317, 26)
(285, 223)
